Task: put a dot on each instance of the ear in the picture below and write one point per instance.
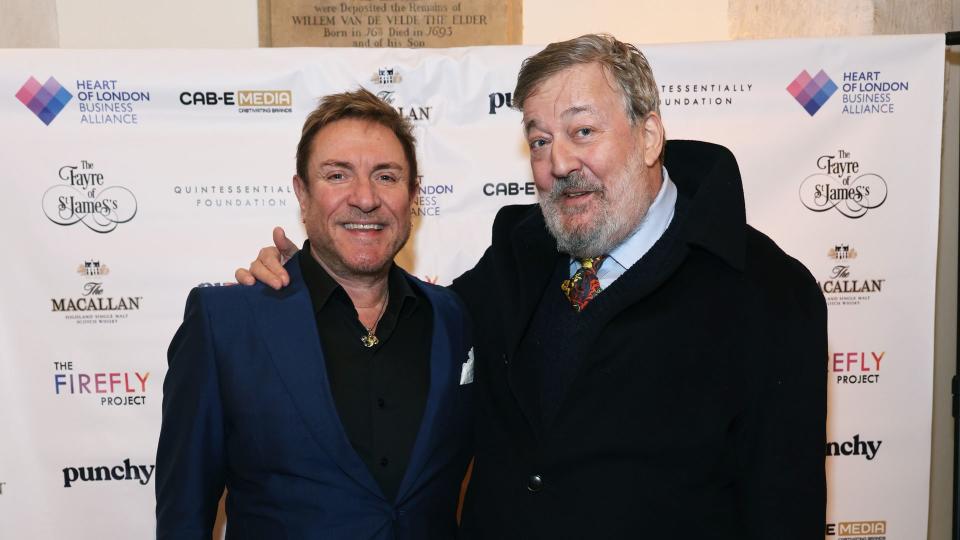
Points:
(653, 135)
(303, 194)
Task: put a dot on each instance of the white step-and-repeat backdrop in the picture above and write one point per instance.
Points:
(131, 176)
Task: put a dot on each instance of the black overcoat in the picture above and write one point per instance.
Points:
(699, 411)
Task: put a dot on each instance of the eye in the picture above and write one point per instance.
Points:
(389, 178)
(537, 143)
(584, 132)
(335, 176)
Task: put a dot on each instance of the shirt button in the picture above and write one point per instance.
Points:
(381, 403)
(384, 462)
(534, 483)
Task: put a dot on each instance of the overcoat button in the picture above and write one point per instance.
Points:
(534, 483)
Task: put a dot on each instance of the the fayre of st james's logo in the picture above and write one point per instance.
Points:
(843, 282)
(843, 184)
(387, 80)
(91, 304)
(84, 194)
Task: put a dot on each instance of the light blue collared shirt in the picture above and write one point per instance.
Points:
(636, 245)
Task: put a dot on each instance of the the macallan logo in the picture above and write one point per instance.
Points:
(92, 269)
(855, 447)
(842, 252)
(841, 285)
(105, 473)
(389, 76)
(386, 75)
(92, 306)
(841, 184)
(84, 197)
(413, 113)
(838, 282)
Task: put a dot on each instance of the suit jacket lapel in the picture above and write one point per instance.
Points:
(290, 334)
(444, 379)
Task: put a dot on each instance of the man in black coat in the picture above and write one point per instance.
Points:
(647, 364)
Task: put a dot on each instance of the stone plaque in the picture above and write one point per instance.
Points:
(389, 23)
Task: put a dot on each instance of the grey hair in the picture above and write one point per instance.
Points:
(625, 63)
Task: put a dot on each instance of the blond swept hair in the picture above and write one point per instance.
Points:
(363, 105)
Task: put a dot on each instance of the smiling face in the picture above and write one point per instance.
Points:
(596, 172)
(356, 203)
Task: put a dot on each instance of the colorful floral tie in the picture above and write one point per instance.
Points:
(583, 286)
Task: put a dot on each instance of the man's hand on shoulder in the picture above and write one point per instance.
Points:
(268, 266)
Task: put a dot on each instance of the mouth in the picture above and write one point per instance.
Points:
(363, 226)
(573, 194)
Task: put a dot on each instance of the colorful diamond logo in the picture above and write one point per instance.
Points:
(812, 92)
(45, 101)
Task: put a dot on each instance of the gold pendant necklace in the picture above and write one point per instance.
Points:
(371, 338)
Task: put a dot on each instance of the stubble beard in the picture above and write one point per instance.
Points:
(343, 264)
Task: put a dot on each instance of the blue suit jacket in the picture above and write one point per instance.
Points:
(247, 405)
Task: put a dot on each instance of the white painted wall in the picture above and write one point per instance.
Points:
(640, 21)
(126, 24)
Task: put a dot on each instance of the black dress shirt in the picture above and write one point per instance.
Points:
(380, 392)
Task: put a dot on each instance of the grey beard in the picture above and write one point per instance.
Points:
(590, 240)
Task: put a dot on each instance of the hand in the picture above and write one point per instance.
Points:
(268, 266)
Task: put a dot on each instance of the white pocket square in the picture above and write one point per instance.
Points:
(466, 370)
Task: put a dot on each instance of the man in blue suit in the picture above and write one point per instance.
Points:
(338, 407)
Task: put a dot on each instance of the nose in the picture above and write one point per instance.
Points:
(563, 159)
(364, 195)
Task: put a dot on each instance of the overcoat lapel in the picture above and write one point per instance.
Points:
(289, 331)
(535, 256)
